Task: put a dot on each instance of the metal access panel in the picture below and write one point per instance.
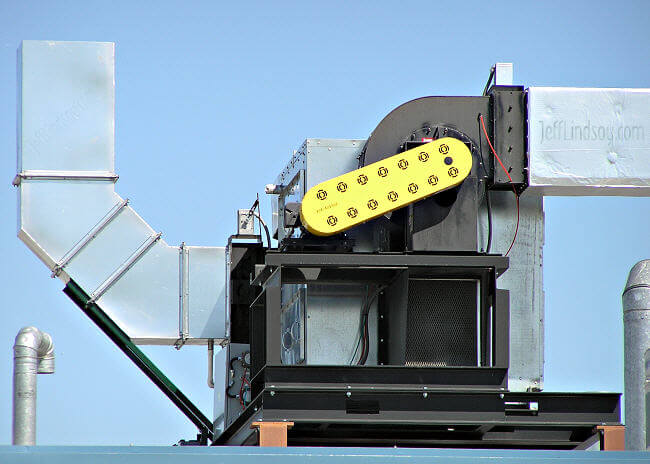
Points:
(333, 324)
(317, 160)
(589, 141)
(321, 324)
(227, 383)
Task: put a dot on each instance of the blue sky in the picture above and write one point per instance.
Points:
(211, 98)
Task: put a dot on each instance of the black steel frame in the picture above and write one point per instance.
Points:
(397, 405)
(297, 268)
(330, 413)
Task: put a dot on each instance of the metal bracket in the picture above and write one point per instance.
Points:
(124, 268)
(297, 181)
(64, 175)
(183, 295)
(90, 235)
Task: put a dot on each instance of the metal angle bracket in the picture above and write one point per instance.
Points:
(124, 268)
(90, 235)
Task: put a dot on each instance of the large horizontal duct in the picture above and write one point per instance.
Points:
(70, 216)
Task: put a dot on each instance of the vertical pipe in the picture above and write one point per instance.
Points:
(646, 391)
(33, 354)
(211, 363)
(636, 321)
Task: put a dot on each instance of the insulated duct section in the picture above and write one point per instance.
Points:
(70, 216)
(588, 141)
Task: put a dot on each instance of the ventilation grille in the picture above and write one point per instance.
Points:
(442, 323)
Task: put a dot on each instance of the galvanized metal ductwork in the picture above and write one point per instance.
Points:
(33, 354)
(71, 217)
(636, 321)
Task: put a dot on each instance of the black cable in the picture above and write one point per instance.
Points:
(230, 384)
(266, 229)
(487, 191)
(366, 333)
(366, 343)
(512, 184)
(487, 85)
(258, 215)
(361, 323)
(356, 348)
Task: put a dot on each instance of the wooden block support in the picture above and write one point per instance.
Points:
(612, 437)
(272, 433)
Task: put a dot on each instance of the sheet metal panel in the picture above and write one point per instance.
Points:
(320, 159)
(589, 141)
(333, 325)
(524, 279)
(66, 109)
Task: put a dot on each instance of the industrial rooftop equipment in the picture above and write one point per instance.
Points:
(401, 303)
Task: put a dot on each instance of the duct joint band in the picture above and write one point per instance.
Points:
(183, 296)
(632, 287)
(65, 175)
(124, 268)
(90, 235)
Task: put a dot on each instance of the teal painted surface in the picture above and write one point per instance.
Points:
(245, 455)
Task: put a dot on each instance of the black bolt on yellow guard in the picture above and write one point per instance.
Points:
(353, 198)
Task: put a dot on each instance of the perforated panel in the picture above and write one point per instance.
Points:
(442, 323)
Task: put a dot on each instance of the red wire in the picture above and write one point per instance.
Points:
(241, 389)
(509, 178)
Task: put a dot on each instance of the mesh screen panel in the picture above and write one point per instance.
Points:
(441, 323)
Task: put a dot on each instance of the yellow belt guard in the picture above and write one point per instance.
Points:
(356, 197)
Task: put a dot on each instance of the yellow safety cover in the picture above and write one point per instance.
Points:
(358, 196)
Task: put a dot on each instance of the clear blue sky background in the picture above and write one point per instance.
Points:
(211, 98)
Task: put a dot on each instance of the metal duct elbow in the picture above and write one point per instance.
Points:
(636, 322)
(70, 216)
(33, 353)
(30, 344)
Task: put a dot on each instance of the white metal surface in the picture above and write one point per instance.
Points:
(589, 141)
(71, 217)
(503, 74)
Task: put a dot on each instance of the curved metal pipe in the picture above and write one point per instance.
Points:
(636, 322)
(33, 354)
